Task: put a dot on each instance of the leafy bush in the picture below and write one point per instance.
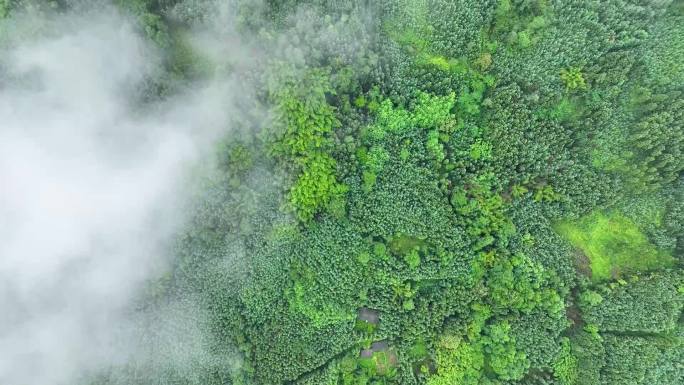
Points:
(573, 78)
(316, 187)
(458, 362)
(502, 356)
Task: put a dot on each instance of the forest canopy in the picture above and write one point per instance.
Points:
(421, 191)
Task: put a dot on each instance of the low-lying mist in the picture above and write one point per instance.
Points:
(92, 189)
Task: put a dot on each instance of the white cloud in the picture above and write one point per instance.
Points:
(91, 190)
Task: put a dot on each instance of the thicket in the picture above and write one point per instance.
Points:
(439, 192)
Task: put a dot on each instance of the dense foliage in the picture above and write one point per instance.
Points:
(443, 192)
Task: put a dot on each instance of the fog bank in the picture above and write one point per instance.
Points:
(91, 190)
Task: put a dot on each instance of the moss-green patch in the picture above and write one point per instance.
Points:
(437, 61)
(403, 244)
(408, 38)
(614, 245)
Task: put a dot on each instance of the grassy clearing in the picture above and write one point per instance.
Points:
(614, 245)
